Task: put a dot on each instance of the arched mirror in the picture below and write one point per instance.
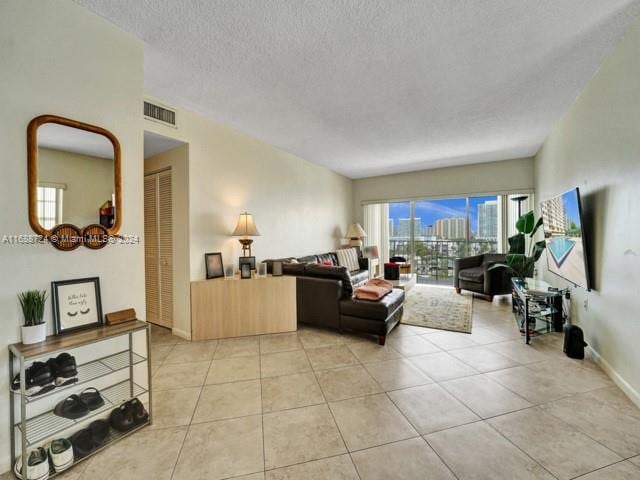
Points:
(74, 181)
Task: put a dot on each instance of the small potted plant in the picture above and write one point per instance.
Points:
(34, 329)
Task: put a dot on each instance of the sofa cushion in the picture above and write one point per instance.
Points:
(335, 273)
(378, 310)
(323, 258)
(308, 259)
(294, 269)
(348, 257)
(473, 274)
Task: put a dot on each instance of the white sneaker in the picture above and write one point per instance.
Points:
(61, 454)
(37, 465)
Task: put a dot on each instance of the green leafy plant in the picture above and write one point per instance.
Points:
(32, 303)
(519, 262)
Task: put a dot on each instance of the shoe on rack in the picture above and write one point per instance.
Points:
(140, 415)
(99, 432)
(64, 369)
(37, 465)
(121, 418)
(82, 443)
(61, 454)
(71, 407)
(92, 398)
(38, 380)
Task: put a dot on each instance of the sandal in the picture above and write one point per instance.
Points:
(140, 415)
(71, 407)
(121, 418)
(92, 398)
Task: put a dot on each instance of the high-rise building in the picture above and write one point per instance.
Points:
(451, 228)
(392, 232)
(404, 228)
(488, 220)
(553, 216)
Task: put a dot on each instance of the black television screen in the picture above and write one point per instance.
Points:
(564, 238)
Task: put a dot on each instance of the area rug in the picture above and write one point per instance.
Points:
(438, 307)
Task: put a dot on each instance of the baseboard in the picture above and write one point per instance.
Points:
(629, 391)
(181, 333)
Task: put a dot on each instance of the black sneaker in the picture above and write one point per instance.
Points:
(64, 369)
(38, 380)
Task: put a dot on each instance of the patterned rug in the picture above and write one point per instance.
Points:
(438, 307)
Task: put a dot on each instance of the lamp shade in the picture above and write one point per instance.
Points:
(355, 231)
(245, 226)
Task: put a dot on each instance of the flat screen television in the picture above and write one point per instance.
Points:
(564, 238)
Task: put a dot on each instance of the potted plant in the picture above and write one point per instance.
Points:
(34, 329)
(519, 262)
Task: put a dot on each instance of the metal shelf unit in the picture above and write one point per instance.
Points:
(36, 429)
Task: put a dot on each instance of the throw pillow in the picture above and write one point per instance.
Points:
(348, 257)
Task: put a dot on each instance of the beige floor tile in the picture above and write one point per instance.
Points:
(609, 426)
(346, 382)
(192, 352)
(150, 453)
(562, 450)
(481, 336)
(485, 397)
(402, 331)
(476, 451)
(430, 408)
(180, 375)
(396, 374)
(172, 408)
(284, 363)
(282, 342)
(252, 476)
(334, 468)
(535, 386)
(406, 460)
(234, 369)
(237, 347)
(412, 345)
(315, 337)
(422, 330)
(451, 340)
(575, 378)
(217, 450)
(619, 471)
(334, 356)
(228, 400)
(368, 352)
(519, 351)
(442, 366)
(506, 331)
(290, 391)
(370, 421)
(163, 336)
(635, 460)
(483, 359)
(300, 435)
(159, 353)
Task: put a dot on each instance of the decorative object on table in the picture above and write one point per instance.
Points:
(355, 234)
(246, 228)
(391, 271)
(245, 271)
(76, 304)
(574, 342)
(262, 270)
(437, 307)
(230, 272)
(251, 261)
(213, 265)
(121, 316)
(371, 251)
(276, 268)
(34, 329)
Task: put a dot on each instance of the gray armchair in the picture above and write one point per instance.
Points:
(473, 274)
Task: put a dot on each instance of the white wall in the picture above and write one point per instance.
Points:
(596, 147)
(59, 58)
(483, 178)
(299, 208)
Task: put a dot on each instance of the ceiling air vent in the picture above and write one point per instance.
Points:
(160, 113)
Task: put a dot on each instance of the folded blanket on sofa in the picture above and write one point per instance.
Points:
(374, 290)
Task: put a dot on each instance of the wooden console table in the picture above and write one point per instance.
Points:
(223, 308)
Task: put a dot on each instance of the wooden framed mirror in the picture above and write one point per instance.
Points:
(74, 176)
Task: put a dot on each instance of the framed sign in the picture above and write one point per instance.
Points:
(213, 265)
(76, 304)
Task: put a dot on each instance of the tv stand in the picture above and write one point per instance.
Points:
(537, 307)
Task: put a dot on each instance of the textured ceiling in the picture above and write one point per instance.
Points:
(369, 87)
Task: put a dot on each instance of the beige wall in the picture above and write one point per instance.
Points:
(88, 181)
(178, 160)
(483, 178)
(299, 208)
(596, 147)
(59, 58)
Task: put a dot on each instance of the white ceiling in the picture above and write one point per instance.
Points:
(75, 140)
(373, 87)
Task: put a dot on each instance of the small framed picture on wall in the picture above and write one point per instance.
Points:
(76, 304)
(213, 265)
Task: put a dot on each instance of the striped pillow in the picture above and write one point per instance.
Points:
(348, 257)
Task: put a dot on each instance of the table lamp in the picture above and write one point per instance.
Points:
(355, 234)
(245, 229)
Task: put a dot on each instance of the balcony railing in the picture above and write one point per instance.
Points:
(433, 259)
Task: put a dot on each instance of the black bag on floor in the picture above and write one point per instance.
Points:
(574, 342)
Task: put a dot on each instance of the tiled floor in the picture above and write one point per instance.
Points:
(429, 405)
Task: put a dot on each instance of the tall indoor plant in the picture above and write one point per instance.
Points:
(34, 329)
(520, 262)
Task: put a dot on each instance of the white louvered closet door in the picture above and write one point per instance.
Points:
(158, 231)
